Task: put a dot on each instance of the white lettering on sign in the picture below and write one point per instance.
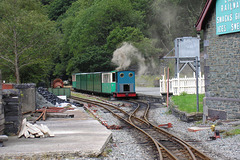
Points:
(222, 28)
(235, 26)
(227, 16)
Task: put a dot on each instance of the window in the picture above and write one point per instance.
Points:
(121, 75)
(73, 77)
(106, 78)
(126, 87)
(113, 77)
(130, 74)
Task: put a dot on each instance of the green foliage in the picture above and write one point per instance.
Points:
(126, 34)
(58, 8)
(92, 33)
(187, 102)
(183, 94)
(96, 56)
(27, 36)
(93, 25)
(232, 132)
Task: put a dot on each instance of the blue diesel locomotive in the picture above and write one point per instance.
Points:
(115, 83)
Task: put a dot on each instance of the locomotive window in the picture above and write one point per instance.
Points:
(121, 75)
(113, 77)
(126, 87)
(130, 75)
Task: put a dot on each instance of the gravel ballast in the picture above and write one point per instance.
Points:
(125, 146)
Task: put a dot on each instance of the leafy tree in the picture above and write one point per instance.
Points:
(126, 34)
(46, 2)
(27, 36)
(93, 60)
(58, 8)
(93, 25)
(89, 23)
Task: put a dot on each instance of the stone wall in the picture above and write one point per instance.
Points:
(2, 120)
(222, 72)
(12, 111)
(28, 96)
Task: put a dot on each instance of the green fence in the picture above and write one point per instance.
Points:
(60, 91)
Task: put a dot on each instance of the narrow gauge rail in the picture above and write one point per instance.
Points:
(176, 148)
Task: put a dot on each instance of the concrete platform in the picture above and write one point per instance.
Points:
(80, 136)
(151, 94)
(151, 91)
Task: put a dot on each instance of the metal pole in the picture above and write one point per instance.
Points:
(197, 83)
(167, 86)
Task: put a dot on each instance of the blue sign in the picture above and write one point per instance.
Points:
(227, 16)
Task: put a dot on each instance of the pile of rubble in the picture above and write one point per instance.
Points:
(50, 97)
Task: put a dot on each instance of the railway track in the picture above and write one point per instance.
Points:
(165, 145)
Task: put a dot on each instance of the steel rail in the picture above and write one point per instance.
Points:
(161, 145)
(157, 144)
(102, 105)
(146, 121)
(184, 143)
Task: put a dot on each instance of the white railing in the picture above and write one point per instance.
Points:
(179, 85)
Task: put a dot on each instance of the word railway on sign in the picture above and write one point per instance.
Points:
(227, 16)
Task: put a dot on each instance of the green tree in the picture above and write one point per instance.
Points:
(58, 8)
(91, 26)
(27, 35)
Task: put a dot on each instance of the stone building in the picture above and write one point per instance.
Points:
(220, 22)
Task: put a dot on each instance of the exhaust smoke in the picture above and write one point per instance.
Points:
(126, 55)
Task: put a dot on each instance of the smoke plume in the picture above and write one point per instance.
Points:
(126, 55)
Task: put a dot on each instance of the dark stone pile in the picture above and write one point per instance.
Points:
(50, 97)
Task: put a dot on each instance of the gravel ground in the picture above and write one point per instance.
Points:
(220, 149)
(124, 145)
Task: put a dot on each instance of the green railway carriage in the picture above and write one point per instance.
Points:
(74, 81)
(115, 83)
(109, 82)
(97, 82)
(89, 82)
(83, 81)
(77, 81)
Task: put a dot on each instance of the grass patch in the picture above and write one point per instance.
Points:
(232, 132)
(188, 102)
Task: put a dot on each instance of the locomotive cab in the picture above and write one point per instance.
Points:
(125, 84)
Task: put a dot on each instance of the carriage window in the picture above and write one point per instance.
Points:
(130, 75)
(121, 75)
(113, 77)
(106, 78)
(74, 77)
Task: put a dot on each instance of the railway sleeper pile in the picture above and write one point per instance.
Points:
(29, 130)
